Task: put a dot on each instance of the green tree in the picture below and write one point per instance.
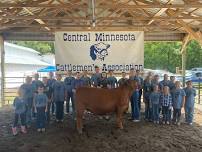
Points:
(42, 47)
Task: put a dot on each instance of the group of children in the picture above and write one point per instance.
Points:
(38, 99)
(168, 98)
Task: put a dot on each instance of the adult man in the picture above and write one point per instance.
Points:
(86, 79)
(96, 77)
(68, 84)
(111, 80)
(123, 79)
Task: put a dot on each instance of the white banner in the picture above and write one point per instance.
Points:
(115, 50)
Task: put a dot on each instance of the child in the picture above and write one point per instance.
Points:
(41, 106)
(154, 103)
(59, 96)
(78, 82)
(166, 103)
(111, 80)
(103, 80)
(189, 102)
(20, 109)
(178, 102)
(147, 89)
(123, 79)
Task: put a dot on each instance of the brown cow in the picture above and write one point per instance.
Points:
(102, 101)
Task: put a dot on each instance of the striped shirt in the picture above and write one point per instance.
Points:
(166, 100)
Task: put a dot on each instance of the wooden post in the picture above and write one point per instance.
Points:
(183, 52)
(2, 70)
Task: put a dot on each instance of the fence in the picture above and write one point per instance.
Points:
(12, 84)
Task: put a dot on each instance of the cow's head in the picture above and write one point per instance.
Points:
(99, 51)
(131, 85)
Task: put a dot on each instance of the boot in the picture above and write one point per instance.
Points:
(23, 130)
(14, 130)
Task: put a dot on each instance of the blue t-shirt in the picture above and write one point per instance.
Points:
(19, 105)
(155, 98)
(154, 83)
(68, 83)
(122, 81)
(36, 84)
(190, 97)
(164, 83)
(147, 89)
(27, 91)
(178, 95)
(112, 82)
(59, 91)
(77, 83)
(40, 100)
(50, 83)
(86, 81)
(95, 79)
(139, 80)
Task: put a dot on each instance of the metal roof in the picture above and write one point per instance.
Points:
(155, 17)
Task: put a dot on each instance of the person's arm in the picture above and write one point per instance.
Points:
(34, 104)
(116, 83)
(46, 104)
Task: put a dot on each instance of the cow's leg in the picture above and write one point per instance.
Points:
(119, 115)
(79, 116)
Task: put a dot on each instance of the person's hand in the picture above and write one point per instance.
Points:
(46, 110)
(73, 90)
(35, 110)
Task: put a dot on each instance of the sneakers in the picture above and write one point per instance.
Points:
(191, 124)
(178, 123)
(157, 122)
(23, 130)
(164, 122)
(168, 123)
(43, 129)
(136, 120)
(39, 130)
(14, 130)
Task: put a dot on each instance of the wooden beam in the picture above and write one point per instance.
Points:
(160, 12)
(143, 18)
(121, 6)
(2, 70)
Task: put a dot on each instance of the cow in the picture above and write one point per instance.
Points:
(99, 51)
(103, 101)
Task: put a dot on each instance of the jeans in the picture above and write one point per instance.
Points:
(148, 111)
(22, 118)
(166, 113)
(189, 114)
(53, 107)
(155, 111)
(139, 99)
(70, 95)
(134, 106)
(176, 115)
(28, 112)
(40, 117)
(48, 112)
(59, 110)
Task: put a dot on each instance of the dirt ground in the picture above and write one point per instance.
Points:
(102, 136)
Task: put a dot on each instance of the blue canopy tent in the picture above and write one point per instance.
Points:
(47, 69)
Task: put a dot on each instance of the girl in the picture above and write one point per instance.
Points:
(154, 103)
(103, 80)
(147, 88)
(178, 102)
(41, 106)
(20, 109)
(189, 102)
(166, 103)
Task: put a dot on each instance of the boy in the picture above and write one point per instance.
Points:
(166, 103)
(51, 80)
(111, 80)
(86, 80)
(78, 82)
(189, 102)
(154, 103)
(123, 79)
(59, 96)
(40, 105)
(95, 78)
(178, 102)
(68, 84)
